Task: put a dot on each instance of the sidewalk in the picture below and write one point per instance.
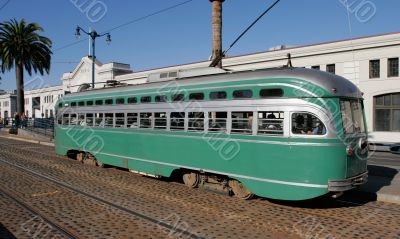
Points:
(26, 137)
(384, 183)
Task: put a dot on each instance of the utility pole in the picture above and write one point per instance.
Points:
(216, 24)
(93, 35)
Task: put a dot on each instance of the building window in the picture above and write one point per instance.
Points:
(393, 67)
(374, 69)
(331, 68)
(387, 112)
(316, 67)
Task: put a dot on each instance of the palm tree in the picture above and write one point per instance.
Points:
(217, 30)
(21, 46)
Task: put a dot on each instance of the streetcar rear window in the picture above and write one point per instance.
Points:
(352, 116)
(218, 95)
(120, 101)
(270, 123)
(242, 94)
(270, 93)
(109, 101)
(307, 124)
(196, 96)
(242, 122)
(145, 99)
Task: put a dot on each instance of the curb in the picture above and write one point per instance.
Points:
(28, 140)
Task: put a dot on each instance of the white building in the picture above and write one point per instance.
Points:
(7, 104)
(372, 63)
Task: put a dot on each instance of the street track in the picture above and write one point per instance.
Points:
(206, 214)
(157, 222)
(64, 231)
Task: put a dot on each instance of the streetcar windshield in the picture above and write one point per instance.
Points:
(352, 116)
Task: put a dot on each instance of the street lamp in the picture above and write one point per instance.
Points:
(93, 34)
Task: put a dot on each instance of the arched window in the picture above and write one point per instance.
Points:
(387, 112)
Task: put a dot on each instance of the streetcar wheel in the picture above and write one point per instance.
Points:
(239, 190)
(191, 179)
(89, 159)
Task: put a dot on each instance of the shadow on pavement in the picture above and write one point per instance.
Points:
(5, 233)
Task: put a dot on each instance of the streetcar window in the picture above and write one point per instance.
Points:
(108, 120)
(132, 120)
(81, 103)
(217, 121)
(196, 96)
(73, 104)
(145, 99)
(161, 98)
(120, 101)
(73, 119)
(99, 120)
(89, 120)
(307, 123)
(120, 120)
(60, 105)
(160, 120)
(242, 122)
(65, 119)
(178, 97)
(145, 120)
(99, 102)
(178, 121)
(81, 120)
(109, 101)
(218, 95)
(196, 121)
(132, 100)
(270, 93)
(242, 94)
(89, 103)
(270, 123)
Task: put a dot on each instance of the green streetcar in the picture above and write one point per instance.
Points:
(286, 133)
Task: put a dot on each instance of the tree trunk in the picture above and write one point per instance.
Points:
(217, 30)
(19, 70)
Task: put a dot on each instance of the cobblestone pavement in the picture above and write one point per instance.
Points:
(43, 195)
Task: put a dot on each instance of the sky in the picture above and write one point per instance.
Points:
(151, 34)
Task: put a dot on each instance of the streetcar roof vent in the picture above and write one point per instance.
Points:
(114, 83)
(165, 76)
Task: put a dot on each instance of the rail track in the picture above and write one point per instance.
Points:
(171, 228)
(208, 215)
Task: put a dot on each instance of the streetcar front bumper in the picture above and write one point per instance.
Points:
(348, 183)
